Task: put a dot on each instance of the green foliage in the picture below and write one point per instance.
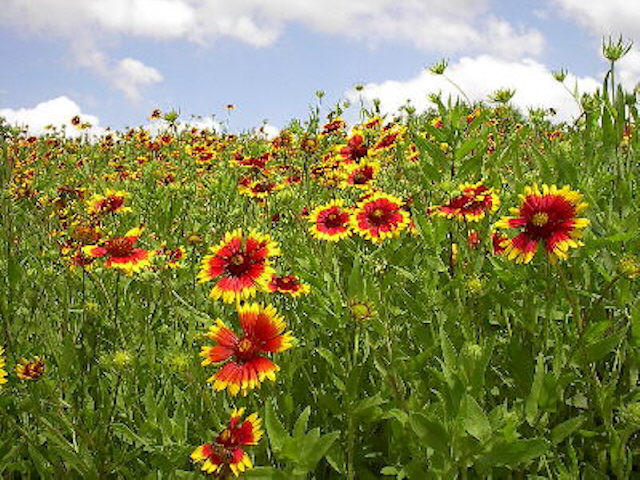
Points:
(413, 359)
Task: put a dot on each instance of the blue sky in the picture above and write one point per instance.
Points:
(115, 60)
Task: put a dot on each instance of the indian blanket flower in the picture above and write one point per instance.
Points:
(173, 256)
(549, 215)
(380, 216)
(245, 364)
(3, 363)
(361, 175)
(355, 149)
(225, 455)
(30, 369)
(289, 285)
(121, 253)
(259, 188)
(239, 265)
(111, 202)
(474, 201)
(330, 221)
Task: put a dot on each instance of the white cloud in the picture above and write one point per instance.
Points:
(479, 77)
(451, 26)
(57, 112)
(629, 69)
(128, 75)
(605, 17)
(267, 131)
(433, 25)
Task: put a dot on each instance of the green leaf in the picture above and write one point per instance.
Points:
(266, 473)
(431, 433)
(277, 435)
(561, 431)
(475, 420)
(314, 451)
(515, 452)
(300, 426)
(600, 349)
(355, 285)
(531, 406)
(466, 147)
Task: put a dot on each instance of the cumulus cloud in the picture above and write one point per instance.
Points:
(57, 112)
(605, 17)
(452, 26)
(478, 77)
(629, 69)
(434, 25)
(128, 75)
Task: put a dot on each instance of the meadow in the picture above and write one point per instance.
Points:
(442, 294)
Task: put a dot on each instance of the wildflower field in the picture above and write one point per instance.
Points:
(445, 294)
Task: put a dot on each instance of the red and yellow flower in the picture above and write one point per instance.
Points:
(225, 455)
(172, 256)
(288, 284)
(30, 369)
(3, 363)
(111, 202)
(549, 215)
(361, 175)
(121, 253)
(245, 366)
(380, 216)
(330, 221)
(474, 201)
(239, 265)
(259, 188)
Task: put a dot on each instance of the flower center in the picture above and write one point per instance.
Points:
(119, 247)
(377, 213)
(244, 346)
(333, 220)
(540, 219)
(237, 259)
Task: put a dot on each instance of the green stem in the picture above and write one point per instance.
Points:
(573, 301)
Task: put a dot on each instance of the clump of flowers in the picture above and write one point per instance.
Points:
(547, 215)
(245, 366)
(330, 221)
(240, 265)
(380, 216)
(225, 455)
(474, 201)
(30, 369)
